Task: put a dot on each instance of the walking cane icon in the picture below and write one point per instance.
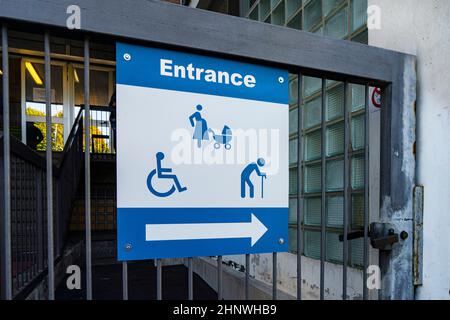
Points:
(262, 185)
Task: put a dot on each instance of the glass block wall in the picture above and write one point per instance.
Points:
(311, 167)
(342, 19)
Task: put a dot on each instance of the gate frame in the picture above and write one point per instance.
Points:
(195, 30)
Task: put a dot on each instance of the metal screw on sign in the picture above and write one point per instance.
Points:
(127, 57)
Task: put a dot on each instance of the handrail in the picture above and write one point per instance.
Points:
(73, 134)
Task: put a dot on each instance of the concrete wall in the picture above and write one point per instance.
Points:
(422, 28)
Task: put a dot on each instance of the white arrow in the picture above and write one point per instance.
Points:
(200, 231)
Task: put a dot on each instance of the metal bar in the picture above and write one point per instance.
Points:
(213, 35)
(274, 277)
(6, 250)
(124, 280)
(346, 188)
(49, 171)
(190, 280)
(87, 172)
(247, 276)
(366, 191)
(158, 279)
(299, 187)
(219, 278)
(323, 193)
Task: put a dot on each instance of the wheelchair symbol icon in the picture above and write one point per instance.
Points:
(161, 173)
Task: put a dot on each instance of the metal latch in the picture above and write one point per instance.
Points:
(382, 236)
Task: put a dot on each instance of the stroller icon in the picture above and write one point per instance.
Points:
(222, 139)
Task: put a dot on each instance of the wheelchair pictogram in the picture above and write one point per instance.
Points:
(162, 173)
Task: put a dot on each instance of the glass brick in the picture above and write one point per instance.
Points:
(334, 248)
(312, 244)
(292, 6)
(359, 13)
(329, 5)
(293, 91)
(293, 121)
(264, 8)
(313, 112)
(335, 175)
(278, 17)
(313, 13)
(357, 211)
(293, 210)
(293, 181)
(335, 211)
(357, 172)
(313, 145)
(293, 151)
(335, 139)
(357, 251)
(336, 26)
(254, 14)
(312, 178)
(358, 133)
(335, 102)
(311, 85)
(292, 241)
(358, 97)
(296, 22)
(312, 211)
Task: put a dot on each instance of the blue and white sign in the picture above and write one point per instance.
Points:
(202, 155)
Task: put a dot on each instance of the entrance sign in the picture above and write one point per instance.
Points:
(202, 155)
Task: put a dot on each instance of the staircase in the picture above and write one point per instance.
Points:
(103, 210)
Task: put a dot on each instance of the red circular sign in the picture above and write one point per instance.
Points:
(376, 98)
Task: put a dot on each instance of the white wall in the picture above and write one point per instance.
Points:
(422, 28)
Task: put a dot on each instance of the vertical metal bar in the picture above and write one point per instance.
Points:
(124, 280)
(87, 171)
(49, 171)
(366, 191)
(219, 278)
(6, 250)
(158, 279)
(346, 187)
(323, 188)
(274, 277)
(190, 280)
(247, 276)
(299, 187)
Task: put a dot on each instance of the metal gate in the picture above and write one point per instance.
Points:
(236, 38)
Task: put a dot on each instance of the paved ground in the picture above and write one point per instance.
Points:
(107, 283)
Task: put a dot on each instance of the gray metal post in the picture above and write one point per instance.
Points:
(247, 277)
(397, 174)
(323, 187)
(87, 171)
(6, 250)
(124, 280)
(346, 188)
(190, 280)
(274, 277)
(299, 187)
(158, 279)
(219, 278)
(49, 171)
(366, 190)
